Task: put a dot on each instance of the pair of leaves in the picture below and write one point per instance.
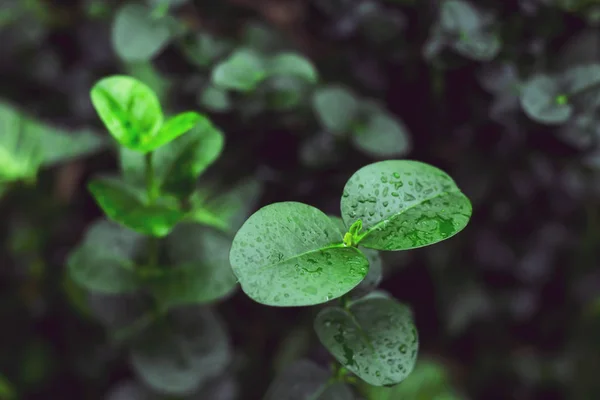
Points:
(373, 130)
(198, 270)
(132, 113)
(292, 254)
(246, 68)
(374, 337)
(553, 99)
(27, 145)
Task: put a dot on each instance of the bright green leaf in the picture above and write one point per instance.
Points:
(374, 337)
(539, 100)
(404, 204)
(293, 65)
(179, 355)
(290, 254)
(104, 261)
(136, 36)
(130, 111)
(241, 71)
(177, 126)
(226, 211)
(20, 149)
(129, 206)
(179, 164)
(304, 380)
(382, 135)
(336, 108)
(199, 271)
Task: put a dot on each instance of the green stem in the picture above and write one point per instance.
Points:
(150, 180)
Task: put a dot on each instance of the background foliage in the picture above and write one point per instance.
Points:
(503, 95)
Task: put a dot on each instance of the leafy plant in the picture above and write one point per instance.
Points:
(292, 254)
(124, 261)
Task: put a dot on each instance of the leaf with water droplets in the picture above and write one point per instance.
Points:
(404, 204)
(375, 338)
(103, 262)
(374, 275)
(291, 254)
(305, 380)
(179, 355)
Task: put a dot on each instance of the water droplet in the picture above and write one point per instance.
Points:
(396, 175)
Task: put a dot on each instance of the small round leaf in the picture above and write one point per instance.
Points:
(291, 254)
(293, 65)
(404, 204)
(382, 135)
(539, 101)
(241, 71)
(375, 338)
(136, 36)
(129, 109)
(336, 108)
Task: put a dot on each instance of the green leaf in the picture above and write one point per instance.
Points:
(181, 354)
(241, 71)
(203, 48)
(292, 65)
(429, 380)
(178, 125)
(20, 149)
(457, 16)
(104, 261)
(179, 164)
(374, 337)
(285, 93)
(58, 146)
(200, 271)
(136, 36)
(539, 100)
(336, 108)
(374, 275)
(304, 380)
(130, 111)
(404, 204)
(291, 254)
(226, 211)
(215, 99)
(130, 207)
(478, 46)
(581, 85)
(382, 135)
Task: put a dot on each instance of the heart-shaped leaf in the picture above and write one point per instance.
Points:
(104, 261)
(304, 380)
(541, 100)
(374, 337)
(404, 204)
(130, 111)
(128, 206)
(291, 254)
(179, 355)
(241, 71)
(136, 35)
(200, 271)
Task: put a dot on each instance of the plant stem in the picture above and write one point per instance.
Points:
(150, 181)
